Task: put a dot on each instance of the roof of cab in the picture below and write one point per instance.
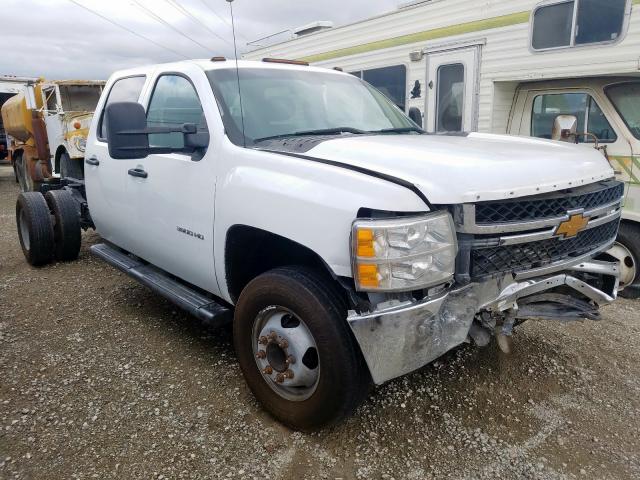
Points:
(207, 65)
(273, 65)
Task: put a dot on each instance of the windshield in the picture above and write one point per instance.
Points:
(626, 98)
(80, 98)
(278, 102)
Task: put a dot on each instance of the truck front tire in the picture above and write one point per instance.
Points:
(296, 351)
(66, 229)
(35, 228)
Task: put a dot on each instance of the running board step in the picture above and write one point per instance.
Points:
(185, 297)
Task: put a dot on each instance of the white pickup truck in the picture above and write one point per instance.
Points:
(346, 246)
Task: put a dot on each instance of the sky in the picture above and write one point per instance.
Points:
(59, 39)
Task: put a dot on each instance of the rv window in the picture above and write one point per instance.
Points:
(577, 22)
(392, 81)
(599, 20)
(590, 116)
(552, 26)
(450, 98)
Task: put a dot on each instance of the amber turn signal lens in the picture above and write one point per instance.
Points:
(77, 125)
(368, 275)
(365, 243)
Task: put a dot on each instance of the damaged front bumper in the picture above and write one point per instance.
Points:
(400, 337)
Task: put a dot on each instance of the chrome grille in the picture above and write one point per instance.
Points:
(519, 236)
(560, 203)
(528, 256)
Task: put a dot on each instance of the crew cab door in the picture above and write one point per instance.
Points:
(452, 90)
(174, 193)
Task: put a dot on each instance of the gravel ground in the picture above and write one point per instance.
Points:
(100, 378)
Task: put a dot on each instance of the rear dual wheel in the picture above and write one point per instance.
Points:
(296, 351)
(48, 226)
(66, 226)
(35, 228)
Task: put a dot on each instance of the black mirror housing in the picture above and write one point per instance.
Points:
(126, 125)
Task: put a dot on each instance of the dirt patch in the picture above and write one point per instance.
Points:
(101, 378)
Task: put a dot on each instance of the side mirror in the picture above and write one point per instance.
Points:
(416, 115)
(128, 133)
(565, 128)
(126, 130)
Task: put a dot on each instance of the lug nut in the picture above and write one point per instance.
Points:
(261, 354)
(273, 336)
(280, 378)
(283, 344)
(291, 360)
(263, 340)
(288, 374)
(267, 370)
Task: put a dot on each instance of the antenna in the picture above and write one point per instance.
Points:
(235, 51)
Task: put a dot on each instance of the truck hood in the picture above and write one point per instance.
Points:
(479, 167)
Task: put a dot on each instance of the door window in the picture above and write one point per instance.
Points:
(577, 22)
(173, 103)
(123, 90)
(590, 116)
(51, 100)
(450, 98)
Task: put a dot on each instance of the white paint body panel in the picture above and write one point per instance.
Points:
(480, 167)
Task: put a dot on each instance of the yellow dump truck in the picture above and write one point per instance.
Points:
(46, 128)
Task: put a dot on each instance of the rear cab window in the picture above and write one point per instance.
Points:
(126, 89)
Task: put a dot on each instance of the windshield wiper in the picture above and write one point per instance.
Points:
(322, 131)
(399, 130)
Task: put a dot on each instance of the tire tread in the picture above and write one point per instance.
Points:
(41, 238)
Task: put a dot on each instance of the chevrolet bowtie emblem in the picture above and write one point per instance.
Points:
(570, 228)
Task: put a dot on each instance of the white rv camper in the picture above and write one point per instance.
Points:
(504, 67)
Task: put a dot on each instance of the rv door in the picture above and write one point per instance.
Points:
(452, 83)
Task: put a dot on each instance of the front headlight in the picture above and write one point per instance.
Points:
(403, 254)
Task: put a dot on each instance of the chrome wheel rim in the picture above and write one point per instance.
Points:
(24, 230)
(286, 353)
(628, 263)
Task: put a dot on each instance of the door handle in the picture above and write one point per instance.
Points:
(138, 172)
(92, 161)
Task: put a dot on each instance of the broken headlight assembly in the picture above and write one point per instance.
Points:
(403, 254)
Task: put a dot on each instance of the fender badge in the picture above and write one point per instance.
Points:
(570, 228)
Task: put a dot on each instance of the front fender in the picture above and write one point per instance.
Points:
(310, 203)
